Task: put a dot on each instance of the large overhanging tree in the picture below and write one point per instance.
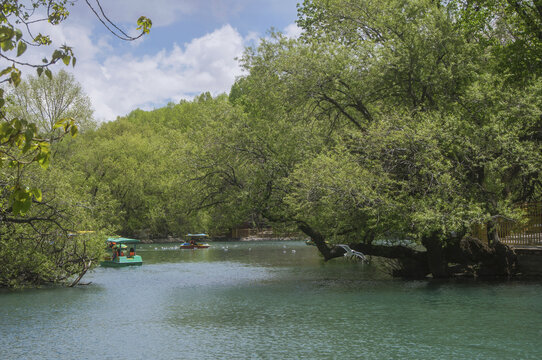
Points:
(444, 131)
(391, 120)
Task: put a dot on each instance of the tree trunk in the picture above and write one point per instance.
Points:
(85, 269)
(468, 256)
(438, 265)
(412, 263)
(318, 240)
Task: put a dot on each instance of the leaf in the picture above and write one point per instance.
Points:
(73, 61)
(21, 194)
(5, 131)
(44, 146)
(74, 131)
(57, 54)
(40, 71)
(49, 74)
(6, 33)
(21, 207)
(6, 45)
(37, 193)
(17, 124)
(21, 48)
(6, 70)
(59, 123)
(44, 159)
(21, 201)
(16, 208)
(66, 59)
(44, 156)
(29, 135)
(16, 77)
(144, 24)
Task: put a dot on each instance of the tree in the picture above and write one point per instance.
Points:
(402, 130)
(20, 142)
(458, 172)
(45, 102)
(39, 208)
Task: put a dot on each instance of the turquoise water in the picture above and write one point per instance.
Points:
(269, 300)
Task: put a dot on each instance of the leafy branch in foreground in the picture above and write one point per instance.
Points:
(21, 143)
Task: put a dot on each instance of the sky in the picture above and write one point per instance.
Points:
(191, 48)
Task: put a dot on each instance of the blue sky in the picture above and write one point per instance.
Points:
(191, 48)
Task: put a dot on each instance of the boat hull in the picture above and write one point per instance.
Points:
(194, 246)
(122, 261)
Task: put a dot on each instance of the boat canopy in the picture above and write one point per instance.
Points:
(197, 235)
(121, 240)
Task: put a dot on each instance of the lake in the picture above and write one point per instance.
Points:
(268, 300)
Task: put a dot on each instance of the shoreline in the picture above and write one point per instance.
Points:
(171, 240)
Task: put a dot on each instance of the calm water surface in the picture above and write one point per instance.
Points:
(268, 300)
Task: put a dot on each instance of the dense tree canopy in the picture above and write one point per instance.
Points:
(385, 120)
(394, 126)
(406, 119)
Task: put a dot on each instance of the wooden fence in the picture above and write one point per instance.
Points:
(513, 233)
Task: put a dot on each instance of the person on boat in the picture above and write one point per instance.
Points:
(132, 252)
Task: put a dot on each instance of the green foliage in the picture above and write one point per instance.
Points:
(141, 162)
(509, 30)
(144, 24)
(17, 20)
(43, 246)
(388, 119)
(56, 103)
(416, 130)
(39, 206)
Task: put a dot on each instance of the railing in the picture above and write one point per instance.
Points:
(514, 233)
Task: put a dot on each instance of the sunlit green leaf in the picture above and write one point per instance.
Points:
(6, 70)
(6, 45)
(6, 33)
(16, 77)
(36, 193)
(18, 34)
(59, 124)
(21, 48)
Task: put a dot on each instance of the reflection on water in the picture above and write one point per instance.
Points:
(270, 300)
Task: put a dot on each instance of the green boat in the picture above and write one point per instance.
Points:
(123, 252)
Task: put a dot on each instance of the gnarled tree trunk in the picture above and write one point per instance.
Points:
(462, 257)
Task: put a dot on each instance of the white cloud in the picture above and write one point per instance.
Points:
(119, 78)
(292, 31)
(121, 83)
